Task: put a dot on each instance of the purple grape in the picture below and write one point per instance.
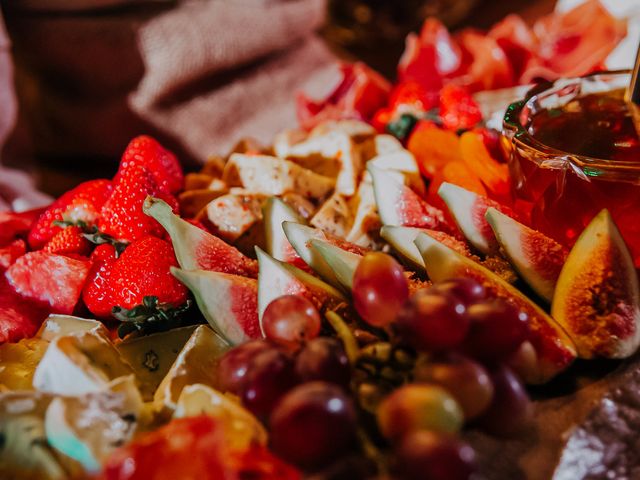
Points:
(314, 424)
(324, 359)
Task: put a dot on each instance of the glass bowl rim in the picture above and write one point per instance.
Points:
(519, 135)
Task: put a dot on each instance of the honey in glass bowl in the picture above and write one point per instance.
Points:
(574, 150)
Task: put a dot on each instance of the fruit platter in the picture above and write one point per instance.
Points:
(372, 296)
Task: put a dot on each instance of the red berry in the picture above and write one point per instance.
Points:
(69, 240)
(10, 253)
(83, 203)
(50, 279)
(19, 317)
(458, 109)
(96, 295)
(161, 163)
(122, 216)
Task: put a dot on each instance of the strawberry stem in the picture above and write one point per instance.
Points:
(94, 235)
(149, 317)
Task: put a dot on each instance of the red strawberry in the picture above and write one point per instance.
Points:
(458, 109)
(141, 271)
(81, 203)
(122, 216)
(19, 317)
(14, 225)
(162, 164)
(69, 241)
(144, 270)
(96, 295)
(11, 253)
(48, 278)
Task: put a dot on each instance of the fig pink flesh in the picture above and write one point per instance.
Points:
(546, 255)
(415, 212)
(243, 297)
(216, 255)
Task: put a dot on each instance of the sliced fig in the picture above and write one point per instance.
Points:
(342, 263)
(278, 278)
(197, 249)
(554, 350)
(597, 299)
(399, 205)
(402, 240)
(228, 302)
(468, 210)
(275, 212)
(300, 235)
(537, 258)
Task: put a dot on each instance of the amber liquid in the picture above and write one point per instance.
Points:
(560, 201)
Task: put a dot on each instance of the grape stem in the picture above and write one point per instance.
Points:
(372, 452)
(345, 334)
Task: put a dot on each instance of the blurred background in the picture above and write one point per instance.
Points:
(88, 75)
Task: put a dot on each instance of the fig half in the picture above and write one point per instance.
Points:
(597, 298)
(553, 350)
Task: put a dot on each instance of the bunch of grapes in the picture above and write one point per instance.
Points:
(442, 353)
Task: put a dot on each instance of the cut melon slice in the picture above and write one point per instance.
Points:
(342, 263)
(228, 302)
(277, 278)
(197, 249)
(554, 350)
(597, 298)
(275, 212)
(537, 258)
(468, 210)
(399, 205)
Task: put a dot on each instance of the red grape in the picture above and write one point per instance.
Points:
(235, 363)
(313, 424)
(466, 380)
(468, 290)
(291, 320)
(379, 289)
(270, 376)
(497, 330)
(418, 407)
(434, 456)
(324, 359)
(433, 321)
(511, 408)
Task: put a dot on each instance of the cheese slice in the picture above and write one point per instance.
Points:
(25, 452)
(234, 214)
(88, 428)
(58, 325)
(79, 364)
(197, 362)
(241, 427)
(151, 356)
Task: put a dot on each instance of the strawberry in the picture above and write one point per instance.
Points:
(162, 164)
(14, 225)
(458, 109)
(10, 253)
(19, 317)
(50, 279)
(84, 203)
(143, 270)
(69, 240)
(122, 216)
(96, 295)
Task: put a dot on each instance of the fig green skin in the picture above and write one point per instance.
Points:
(554, 349)
(540, 268)
(342, 263)
(196, 249)
(597, 298)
